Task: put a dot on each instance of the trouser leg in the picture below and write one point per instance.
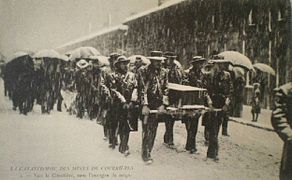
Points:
(191, 124)
(225, 123)
(213, 128)
(124, 139)
(193, 132)
(59, 104)
(168, 135)
(113, 134)
(148, 136)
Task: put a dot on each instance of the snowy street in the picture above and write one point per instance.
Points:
(60, 146)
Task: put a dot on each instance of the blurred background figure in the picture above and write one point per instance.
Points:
(255, 102)
(282, 123)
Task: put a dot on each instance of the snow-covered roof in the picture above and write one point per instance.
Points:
(156, 9)
(95, 34)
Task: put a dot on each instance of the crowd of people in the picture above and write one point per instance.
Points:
(121, 93)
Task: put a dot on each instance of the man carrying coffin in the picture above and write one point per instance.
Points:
(152, 92)
(124, 92)
(218, 85)
(175, 75)
(194, 78)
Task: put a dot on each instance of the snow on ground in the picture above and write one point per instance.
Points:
(74, 148)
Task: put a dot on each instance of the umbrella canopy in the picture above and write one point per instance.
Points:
(18, 55)
(48, 53)
(84, 53)
(264, 68)
(132, 59)
(237, 59)
(64, 58)
(238, 71)
(19, 63)
(102, 60)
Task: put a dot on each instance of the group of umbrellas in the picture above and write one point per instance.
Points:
(74, 55)
(242, 63)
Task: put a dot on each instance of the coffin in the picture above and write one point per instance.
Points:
(186, 97)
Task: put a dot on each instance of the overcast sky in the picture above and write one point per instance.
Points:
(40, 24)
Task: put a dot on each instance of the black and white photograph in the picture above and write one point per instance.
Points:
(146, 89)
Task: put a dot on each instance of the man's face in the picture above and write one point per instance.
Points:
(156, 64)
(216, 68)
(138, 63)
(124, 66)
(198, 64)
(169, 61)
(111, 61)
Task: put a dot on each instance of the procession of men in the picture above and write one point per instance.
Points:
(120, 93)
(119, 97)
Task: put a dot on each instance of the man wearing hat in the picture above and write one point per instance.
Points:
(224, 66)
(81, 87)
(137, 65)
(218, 85)
(175, 75)
(156, 53)
(124, 93)
(194, 78)
(107, 107)
(152, 92)
(94, 81)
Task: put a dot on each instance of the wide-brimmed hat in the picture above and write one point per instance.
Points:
(82, 64)
(256, 84)
(156, 53)
(197, 59)
(220, 61)
(114, 55)
(157, 58)
(169, 54)
(121, 59)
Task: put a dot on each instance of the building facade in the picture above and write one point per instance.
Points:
(259, 29)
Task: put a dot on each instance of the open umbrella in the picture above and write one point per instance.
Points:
(18, 55)
(84, 53)
(132, 59)
(49, 53)
(237, 59)
(64, 58)
(20, 62)
(264, 68)
(102, 60)
(238, 71)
